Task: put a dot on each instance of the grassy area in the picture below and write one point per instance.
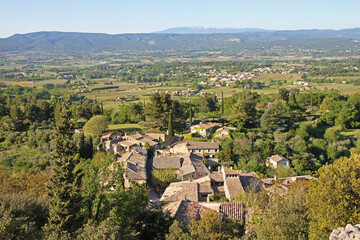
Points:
(127, 126)
(350, 132)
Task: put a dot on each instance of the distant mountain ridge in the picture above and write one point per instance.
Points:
(74, 41)
(209, 30)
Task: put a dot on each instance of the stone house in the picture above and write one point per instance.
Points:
(205, 130)
(276, 161)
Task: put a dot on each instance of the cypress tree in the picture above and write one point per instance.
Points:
(222, 103)
(170, 125)
(190, 110)
(64, 186)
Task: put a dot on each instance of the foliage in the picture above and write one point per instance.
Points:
(158, 110)
(163, 177)
(95, 126)
(64, 195)
(243, 111)
(177, 232)
(337, 192)
(285, 216)
(22, 215)
(212, 227)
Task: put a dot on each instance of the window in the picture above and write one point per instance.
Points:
(207, 150)
(193, 150)
(199, 150)
(204, 195)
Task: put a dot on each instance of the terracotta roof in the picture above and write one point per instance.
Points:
(184, 211)
(277, 158)
(229, 171)
(232, 210)
(225, 129)
(106, 135)
(207, 125)
(202, 145)
(126, 143)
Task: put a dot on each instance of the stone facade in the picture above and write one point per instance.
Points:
(347, 233)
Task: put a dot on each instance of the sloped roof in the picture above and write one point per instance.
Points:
(180, 190)
(173, 161)
(187, 167)
(202, 145)
(198, 163)
(126, 143)
(135, 171)
(229, 171)
(232, 210)
(234, 186)
(207, 125)
(216, 177)
(277, 158)
(184, 211)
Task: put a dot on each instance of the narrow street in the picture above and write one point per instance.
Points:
(153, 196)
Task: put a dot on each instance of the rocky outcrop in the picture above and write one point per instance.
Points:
(350, 232)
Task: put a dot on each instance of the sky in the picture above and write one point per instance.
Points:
(144, 16)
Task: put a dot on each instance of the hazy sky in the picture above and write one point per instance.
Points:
(136, 16)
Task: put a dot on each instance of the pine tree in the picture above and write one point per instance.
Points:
(170, 126)
(63, 189)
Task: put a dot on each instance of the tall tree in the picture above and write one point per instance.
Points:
(190, 113)
(222, 103)
(157, 112)
(170, 125)
(64, 185)
(243, 111)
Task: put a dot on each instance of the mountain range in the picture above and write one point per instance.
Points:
(209, 30)
(73, 41)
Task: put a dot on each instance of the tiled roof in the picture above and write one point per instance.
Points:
(184, 211)
(205, 188)
(249, 182)
(180, 190)
(126, 143)
(234, 211)
(172, 193)
(216, 177)
(208, 125)
(174, 161)
(277, 158)
(198, 163)
(190, 191)
(202, 145)
(135, 171)
(106, 135)
(229, 171)
(187, 167)
(234, 186)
